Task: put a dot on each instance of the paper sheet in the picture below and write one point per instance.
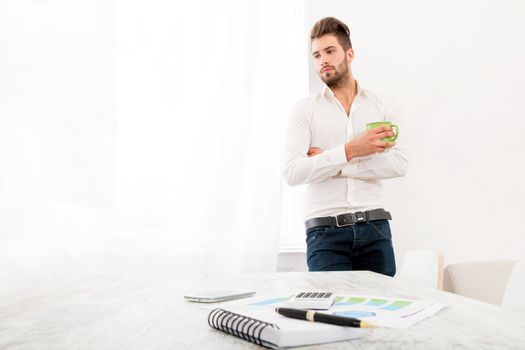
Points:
(381, 311)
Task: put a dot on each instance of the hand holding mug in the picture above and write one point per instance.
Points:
(378, 137)
(392, 138)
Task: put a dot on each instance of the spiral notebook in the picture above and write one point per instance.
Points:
(267, 328)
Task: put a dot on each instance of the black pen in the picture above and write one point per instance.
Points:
(313, 316)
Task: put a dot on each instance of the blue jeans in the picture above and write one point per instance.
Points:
(363, 246)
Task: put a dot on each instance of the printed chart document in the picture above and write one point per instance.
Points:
(385, 312)
(381, 311)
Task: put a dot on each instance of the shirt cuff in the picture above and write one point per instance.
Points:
(336, 155)
(350, 170)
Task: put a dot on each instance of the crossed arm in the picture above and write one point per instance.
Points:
(363, 157)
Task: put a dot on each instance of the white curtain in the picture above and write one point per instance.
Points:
(172, 150)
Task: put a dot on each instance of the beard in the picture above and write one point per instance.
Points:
(337, 76)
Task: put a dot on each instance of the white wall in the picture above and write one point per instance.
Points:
(457, 69)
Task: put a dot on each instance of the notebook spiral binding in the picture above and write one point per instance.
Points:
(240, 326)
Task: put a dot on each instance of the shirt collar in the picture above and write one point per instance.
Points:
(328, 92)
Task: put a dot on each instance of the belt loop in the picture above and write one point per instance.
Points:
(367, 217)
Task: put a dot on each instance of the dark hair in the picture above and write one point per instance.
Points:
(331, 25)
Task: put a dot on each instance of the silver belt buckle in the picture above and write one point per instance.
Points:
(337, 221)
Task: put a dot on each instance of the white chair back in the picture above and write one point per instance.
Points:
(514, 296)
(424, 266)
(482, 280)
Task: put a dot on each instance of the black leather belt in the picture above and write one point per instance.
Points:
(349, 219)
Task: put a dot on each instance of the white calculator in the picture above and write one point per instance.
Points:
(312, 300)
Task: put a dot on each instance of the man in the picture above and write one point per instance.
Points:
(329, 148)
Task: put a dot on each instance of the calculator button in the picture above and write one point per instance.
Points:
(312, 300)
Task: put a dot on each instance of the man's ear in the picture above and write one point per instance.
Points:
(349, 55)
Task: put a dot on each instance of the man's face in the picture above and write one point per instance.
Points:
(330, 59)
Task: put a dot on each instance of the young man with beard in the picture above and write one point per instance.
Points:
(329, 148)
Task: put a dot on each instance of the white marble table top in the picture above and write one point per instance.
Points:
(149, 312)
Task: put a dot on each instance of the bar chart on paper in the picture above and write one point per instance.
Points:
(382, 311)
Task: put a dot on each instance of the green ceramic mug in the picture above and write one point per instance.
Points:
(374, 125)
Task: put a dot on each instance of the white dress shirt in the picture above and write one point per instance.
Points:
(335, 185)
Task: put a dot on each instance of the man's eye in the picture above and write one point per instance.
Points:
(329, 51)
